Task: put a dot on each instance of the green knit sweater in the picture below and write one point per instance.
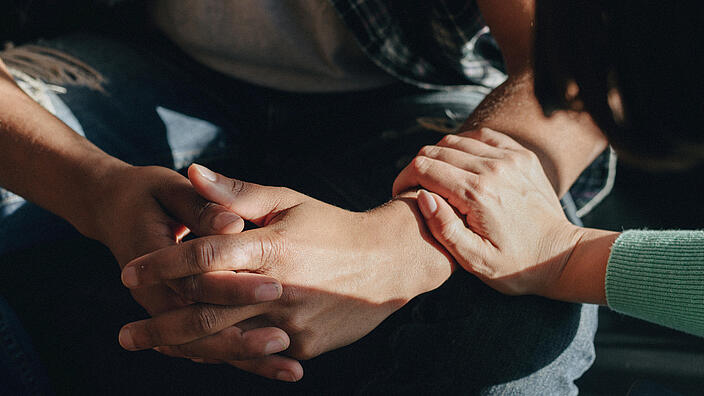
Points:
(658, 276)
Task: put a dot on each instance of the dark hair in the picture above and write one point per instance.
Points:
(635, 66)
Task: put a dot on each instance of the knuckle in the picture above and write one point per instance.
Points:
(201, 256)
(479, 134)
(473, 186)
(270, 248)
(202, 211)
(290, 297)
(237, 186)
(305, 350)
(420, 165)
(294, 324)
(203, 319)
(448, 140)
(486, 132)
(491, 165)
(487, 136)
(428, 151)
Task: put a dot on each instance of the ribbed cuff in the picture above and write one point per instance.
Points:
(658, 276)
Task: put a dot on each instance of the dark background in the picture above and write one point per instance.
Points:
(629, 351)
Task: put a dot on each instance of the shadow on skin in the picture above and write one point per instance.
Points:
(461, 335)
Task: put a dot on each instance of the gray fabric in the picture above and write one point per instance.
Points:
(295, 45)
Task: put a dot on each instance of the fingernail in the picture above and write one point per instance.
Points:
(427, 204)
(285, 376)
(274, 346)
(129, 277)
(125, 339)
(224, 219)
(267, 292)
(206, 173)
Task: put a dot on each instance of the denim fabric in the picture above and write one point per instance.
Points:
(345, 149)
(20, 370)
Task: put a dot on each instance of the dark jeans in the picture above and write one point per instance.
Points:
(345, 149)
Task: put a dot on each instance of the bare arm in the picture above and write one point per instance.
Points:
(511, 231)
(45, 161)
(565, 143)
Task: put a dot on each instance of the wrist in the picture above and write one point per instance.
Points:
(95, 185)
(416, 261)
(582, 277)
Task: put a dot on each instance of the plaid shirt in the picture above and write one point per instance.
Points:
(442, 44)
(434, 44)
(431, 44)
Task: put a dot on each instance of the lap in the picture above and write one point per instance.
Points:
(343, 149)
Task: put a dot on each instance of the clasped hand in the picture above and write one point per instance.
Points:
(342, 273)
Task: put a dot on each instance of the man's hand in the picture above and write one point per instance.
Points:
(342, 273)
(143, 209)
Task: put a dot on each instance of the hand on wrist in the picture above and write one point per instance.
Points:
(418, 261)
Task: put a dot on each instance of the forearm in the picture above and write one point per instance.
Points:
(652, 275)
(566, 143)
(43, 160)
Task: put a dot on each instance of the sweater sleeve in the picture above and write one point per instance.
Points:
(658, 276)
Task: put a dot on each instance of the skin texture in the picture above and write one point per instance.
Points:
(131, 210)
(565, 143)
(500, 219)
(138, 210)
(337, 267)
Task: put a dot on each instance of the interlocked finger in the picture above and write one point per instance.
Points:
(227, 288)
(233, 343)
(244, 251)
(184, 325)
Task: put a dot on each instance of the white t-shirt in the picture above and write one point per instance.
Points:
(292, 45)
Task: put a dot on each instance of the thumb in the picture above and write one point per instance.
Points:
(199, 215)
(448, 228)
(253, 202)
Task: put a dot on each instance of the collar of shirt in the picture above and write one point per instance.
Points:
(440, 44)
(431, 44)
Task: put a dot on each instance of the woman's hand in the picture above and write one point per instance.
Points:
(503, 221)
